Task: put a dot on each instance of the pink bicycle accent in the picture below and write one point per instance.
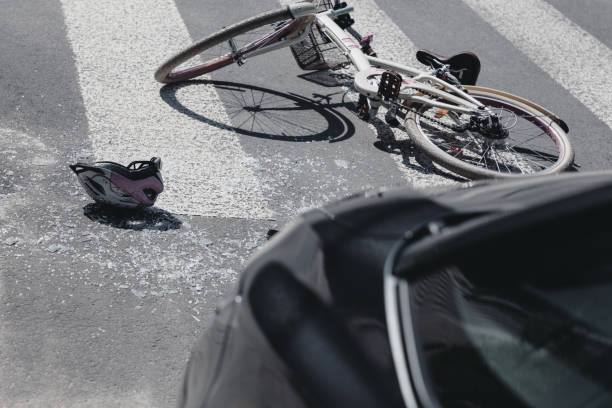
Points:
(366, 40)
(227, 59)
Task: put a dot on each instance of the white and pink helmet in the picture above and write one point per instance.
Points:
(136, 185)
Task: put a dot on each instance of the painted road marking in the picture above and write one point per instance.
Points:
(570, 55)
(117, 46)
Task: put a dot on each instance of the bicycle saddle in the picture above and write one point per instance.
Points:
(464, 65)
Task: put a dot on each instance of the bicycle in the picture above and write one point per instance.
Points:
(473, 131)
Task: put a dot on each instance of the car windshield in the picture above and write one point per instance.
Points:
(516, 334)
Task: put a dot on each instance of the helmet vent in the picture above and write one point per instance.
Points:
(150, 193)
(96, 186)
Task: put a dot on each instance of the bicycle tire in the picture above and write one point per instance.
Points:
(456, 160)
(165, 73)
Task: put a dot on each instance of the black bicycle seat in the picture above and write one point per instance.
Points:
(464, 65)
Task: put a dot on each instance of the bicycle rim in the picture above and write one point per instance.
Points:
(229, 45)
(535, 145)
(222, 54)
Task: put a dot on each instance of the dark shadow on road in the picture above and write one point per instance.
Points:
(412, 157)
(135, 219)
(328, 78)
(406, 149)
(266, 113)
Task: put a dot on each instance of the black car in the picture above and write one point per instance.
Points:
(489, 295)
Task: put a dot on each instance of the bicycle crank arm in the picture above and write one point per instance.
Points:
(546, 112)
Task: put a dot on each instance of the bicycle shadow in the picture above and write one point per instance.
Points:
(412, 158)
(424, 165)
(269, 114)
(328, 79)
(138, 219)
(265, 113)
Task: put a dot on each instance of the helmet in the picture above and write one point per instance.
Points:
(136, 185)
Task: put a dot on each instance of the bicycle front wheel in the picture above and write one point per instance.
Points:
(226, 46)
(535, 144)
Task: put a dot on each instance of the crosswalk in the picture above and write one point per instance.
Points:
(117, 45)
(112, 280)
(569, 54)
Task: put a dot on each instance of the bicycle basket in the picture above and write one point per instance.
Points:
(322, 5)
(317, 51)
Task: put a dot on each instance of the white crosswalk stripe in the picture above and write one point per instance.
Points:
(117, 45)
(569, 54)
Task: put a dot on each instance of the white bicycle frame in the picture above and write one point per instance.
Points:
(418, 86)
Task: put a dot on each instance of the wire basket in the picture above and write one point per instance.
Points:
(317, 51)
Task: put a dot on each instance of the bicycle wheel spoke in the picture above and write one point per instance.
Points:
(450, 144)
(495, 158)
(461, 150)
(483, 155)
(518, 165)
(528, 135)
(544, 156)
(527, 158)
(519, 144)
(475, 139)
(541, 154)
(530, 139)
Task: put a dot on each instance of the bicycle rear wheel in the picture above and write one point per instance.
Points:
(536, 145)
(215, 51)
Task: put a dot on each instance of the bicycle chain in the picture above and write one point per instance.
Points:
(414, 110)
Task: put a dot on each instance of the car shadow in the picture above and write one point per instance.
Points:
(260, 112)
(138, 219)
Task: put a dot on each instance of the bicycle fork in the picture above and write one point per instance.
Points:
(235, 57)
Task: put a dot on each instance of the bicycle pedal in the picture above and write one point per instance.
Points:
(389, 86)
(392, 120)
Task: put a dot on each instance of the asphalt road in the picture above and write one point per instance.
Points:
(97, 309)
